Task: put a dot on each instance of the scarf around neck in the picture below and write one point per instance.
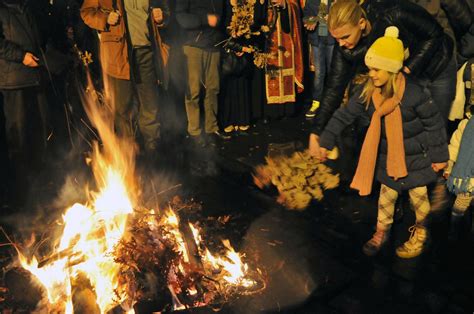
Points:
(396, 165)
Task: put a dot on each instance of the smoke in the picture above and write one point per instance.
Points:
(73, 191)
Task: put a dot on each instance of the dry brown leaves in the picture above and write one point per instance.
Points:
(299, 179)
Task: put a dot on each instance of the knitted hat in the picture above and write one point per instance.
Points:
(387, 52)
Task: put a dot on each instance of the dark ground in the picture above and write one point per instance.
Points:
(313, 257)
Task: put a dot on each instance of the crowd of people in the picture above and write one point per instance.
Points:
(400, 68)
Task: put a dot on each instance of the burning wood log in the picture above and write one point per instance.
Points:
(191, 247)
(66, 253)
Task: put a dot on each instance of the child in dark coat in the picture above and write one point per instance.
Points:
(406, 141)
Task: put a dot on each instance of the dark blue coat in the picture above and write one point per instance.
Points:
(424, 136)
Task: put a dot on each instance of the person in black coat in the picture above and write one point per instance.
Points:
(454, 16)
(237, 67)
(430, 52)
(22, 82)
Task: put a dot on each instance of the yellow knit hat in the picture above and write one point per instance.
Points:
(387, 52)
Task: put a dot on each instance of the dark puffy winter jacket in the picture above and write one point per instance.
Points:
(424, 136)
(430, 50)
(19, 34)
(192, 17)
(459, 14)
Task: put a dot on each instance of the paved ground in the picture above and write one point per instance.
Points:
(313, 257)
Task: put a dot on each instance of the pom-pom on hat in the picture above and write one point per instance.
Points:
(387, 52)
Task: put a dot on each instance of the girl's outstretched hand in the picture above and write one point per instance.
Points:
(323, 154)
(313, 146)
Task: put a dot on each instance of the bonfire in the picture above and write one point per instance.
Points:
(113, 252)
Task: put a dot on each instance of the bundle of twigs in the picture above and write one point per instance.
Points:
(299, 179)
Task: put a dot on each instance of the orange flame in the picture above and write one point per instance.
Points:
(89, 238)
(92, 232)
(231, 264)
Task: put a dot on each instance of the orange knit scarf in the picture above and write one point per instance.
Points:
(396, 166)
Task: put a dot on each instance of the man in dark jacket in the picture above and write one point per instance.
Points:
(22, 86)
(133, 58)
(200, 19)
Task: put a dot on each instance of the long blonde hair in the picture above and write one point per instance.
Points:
(344, 12)
(387, 91)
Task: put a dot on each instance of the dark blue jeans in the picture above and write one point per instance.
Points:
(322, 55)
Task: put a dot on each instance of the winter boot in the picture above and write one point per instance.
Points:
(380, 237)
(415, 244)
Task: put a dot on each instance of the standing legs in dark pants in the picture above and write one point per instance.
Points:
(442, 90)
(27, 129)
(145, 90)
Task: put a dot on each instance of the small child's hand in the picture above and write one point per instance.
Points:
(313, 146)
(437, 166)
(446, 175)
(323, 154)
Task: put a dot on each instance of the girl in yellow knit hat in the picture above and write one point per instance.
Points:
(405, 145)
